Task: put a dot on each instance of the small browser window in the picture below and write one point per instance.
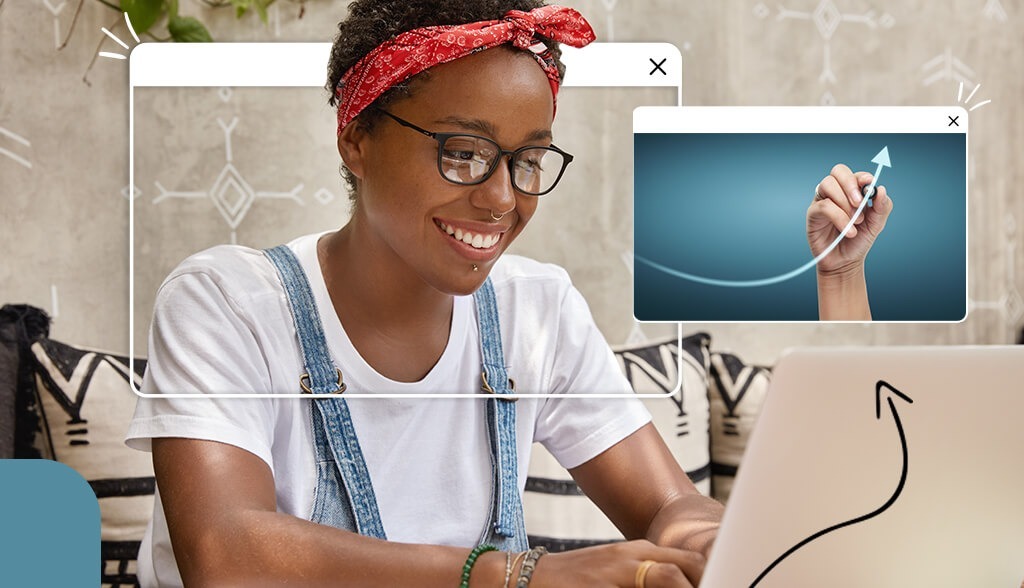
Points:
(729, 225)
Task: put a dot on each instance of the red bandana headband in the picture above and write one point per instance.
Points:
(414, 51)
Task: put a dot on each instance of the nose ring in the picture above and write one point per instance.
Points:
(498, 217)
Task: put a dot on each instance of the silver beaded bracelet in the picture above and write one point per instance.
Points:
(529, 564)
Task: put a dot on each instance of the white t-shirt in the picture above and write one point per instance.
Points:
(222, 325)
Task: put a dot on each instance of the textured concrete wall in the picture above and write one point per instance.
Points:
(64, 150)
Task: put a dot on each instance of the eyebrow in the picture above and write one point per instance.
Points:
(485, 127)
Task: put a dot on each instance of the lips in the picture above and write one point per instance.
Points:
(474, 238)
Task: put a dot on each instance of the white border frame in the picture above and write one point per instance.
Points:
(303, 65)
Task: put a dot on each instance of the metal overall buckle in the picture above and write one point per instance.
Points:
(304, 383)
(486, 387)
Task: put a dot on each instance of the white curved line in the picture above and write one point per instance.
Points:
(773, 279)
(131, 29)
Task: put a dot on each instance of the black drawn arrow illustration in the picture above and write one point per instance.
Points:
(892, 499)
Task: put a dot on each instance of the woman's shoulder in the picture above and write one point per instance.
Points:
(229, 267)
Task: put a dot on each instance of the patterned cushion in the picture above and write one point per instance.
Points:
(736, 391)
(86, 403)
(558, 516)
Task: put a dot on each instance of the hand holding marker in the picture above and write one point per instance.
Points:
(834, 202)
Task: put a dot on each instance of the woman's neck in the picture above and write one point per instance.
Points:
(397, 322)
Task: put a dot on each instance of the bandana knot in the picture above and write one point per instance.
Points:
(523, 28)
(412, 52)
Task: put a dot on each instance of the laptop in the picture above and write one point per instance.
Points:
(878, 467)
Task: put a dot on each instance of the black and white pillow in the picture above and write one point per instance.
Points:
(736, 391)
(85, 403)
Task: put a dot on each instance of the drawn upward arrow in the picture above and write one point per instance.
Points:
(892, 499)
(882, 159)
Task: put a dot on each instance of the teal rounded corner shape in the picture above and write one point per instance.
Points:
(49, 526)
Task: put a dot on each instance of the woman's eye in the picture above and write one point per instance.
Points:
(458, 155)
(530, 165)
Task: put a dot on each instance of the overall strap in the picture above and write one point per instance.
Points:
(501, 412)
(323, 378)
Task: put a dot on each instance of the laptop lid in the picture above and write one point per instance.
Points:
(899, 466)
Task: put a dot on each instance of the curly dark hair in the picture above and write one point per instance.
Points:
(372, 22)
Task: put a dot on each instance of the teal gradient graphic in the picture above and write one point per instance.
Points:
(49, 526)
(733, 207)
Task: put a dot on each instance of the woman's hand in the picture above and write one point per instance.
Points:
(639, 485)
(617, 565)
(842, 290)
(835, 201)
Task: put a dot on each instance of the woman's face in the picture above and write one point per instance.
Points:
(409, 210)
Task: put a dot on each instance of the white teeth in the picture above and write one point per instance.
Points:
(477, 241)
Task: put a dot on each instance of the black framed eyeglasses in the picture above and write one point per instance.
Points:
(469, 160)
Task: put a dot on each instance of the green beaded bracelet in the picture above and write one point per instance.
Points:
(471, 561)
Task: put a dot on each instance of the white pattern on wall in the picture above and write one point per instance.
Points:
(827, 18)
(609, 7)
(324, 196)
(945, 66)
(55, 10)
(231, 194)
(1010, 305)
(134, 195)
(994, 10)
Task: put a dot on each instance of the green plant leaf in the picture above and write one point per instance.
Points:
(186, 29)
(241, 6)
(143, 13)
(261, 9)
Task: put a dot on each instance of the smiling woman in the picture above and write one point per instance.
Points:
(444, 127)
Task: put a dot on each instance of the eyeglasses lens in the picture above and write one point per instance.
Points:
(467, 159)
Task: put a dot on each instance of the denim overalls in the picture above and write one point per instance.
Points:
(344, 496)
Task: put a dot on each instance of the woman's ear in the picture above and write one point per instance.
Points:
(352, 145)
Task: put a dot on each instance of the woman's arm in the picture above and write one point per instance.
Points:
(643, 491)
(221, 514)
(219, 504)
(842, 289)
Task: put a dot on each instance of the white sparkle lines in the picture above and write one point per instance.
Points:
(112, 36)
(12, 155)
(131, 29)
(966, 102)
